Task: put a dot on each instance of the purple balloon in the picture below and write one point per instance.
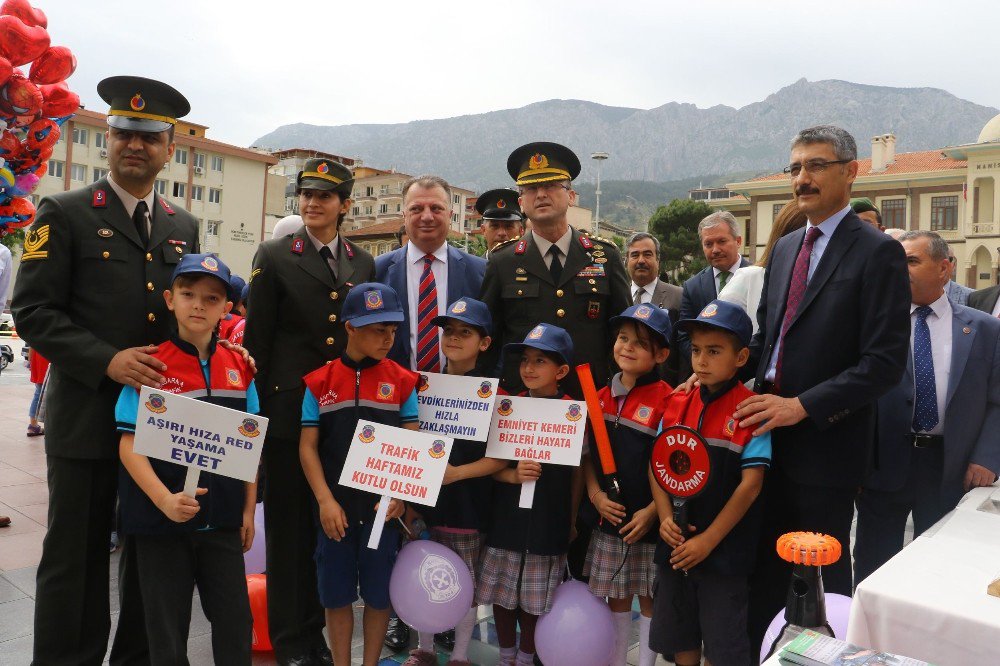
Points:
(838, 611)
(255, 559)
(573, 607)
(430, 587)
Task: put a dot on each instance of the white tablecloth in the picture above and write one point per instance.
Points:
(930, 601)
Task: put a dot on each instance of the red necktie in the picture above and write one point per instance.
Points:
(796, 290)
(428, 347)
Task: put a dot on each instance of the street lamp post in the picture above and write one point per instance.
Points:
(599, 157)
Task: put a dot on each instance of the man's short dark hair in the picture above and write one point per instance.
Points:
(844, 146)
(427, 182)
(937, 247)
(642, 235)
(400, 233)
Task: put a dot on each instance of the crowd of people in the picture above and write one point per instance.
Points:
(832, 376)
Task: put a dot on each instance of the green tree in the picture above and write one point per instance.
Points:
(13, 239)
(477, 244)
(676, 225)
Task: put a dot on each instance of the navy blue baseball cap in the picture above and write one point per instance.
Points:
(203, 264)
(657, 319)
(244, 293)
(236, 285)
(547, 338)
(372, 303)
(467, 310)
(727, 316)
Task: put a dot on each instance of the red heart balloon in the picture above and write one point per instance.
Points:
(21, 43)
(59, 100)
(6, 69)
(53, 66)
(23, 10)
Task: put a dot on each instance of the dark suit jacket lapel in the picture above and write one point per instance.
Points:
(397, 280)
(114, 213)
(778, 282)
(456, 274)
(961, 347)
(708, 285)
(843, 239)
(310, 261)
(163, 224)
(345, 267)
(534, 262)
(576, 259)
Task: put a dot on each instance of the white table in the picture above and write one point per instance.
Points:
(930, 601)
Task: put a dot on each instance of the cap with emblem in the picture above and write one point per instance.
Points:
(142, 105)
(236, 286)
(500, 204)
(542, 162)
(202, 264)
(545, 337)
(727, 316)
(324, 174)
(656, 319)
(470, 311)
(371, 303)
(863, 205)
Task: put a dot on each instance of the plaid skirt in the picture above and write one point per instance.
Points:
(609, 576)
(498, 580)
(467, 546)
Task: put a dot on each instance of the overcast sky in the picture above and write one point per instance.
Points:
(248, 67)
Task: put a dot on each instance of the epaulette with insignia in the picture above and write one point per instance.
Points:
(100, 199)
(504, 243)
(166, 206)
(522, 245)
(350, 250)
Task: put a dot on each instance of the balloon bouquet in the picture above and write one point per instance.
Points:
(32, 107)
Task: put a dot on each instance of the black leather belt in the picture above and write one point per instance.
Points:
(925, 441)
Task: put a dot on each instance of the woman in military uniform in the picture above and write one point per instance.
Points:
(297, 287)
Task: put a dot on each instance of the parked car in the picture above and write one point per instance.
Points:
(6, 356)
(6, 321)
(24, 354)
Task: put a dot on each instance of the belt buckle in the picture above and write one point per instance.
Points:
(922, 441)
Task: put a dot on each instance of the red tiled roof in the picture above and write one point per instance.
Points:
(927, 160)
(386, 229)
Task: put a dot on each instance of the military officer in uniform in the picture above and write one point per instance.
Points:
(502, 216)
(554, 273)
(297, 288)
(90, 298)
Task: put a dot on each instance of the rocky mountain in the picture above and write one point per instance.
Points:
(670, 142)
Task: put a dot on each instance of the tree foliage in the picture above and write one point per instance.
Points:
(13, 239)
(676, 225)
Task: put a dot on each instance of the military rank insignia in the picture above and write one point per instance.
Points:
(586, 242)
(350, 252)
(34, 243)
(521, 246)
(298, 245)
(166, 206)
(100, 199)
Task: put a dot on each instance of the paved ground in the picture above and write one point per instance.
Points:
(24, 497)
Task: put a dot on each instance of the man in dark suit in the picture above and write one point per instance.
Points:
(90, 298)
(642, 262)
(937, 428)
(986, 300)
(721, 240)
(297, 290)
(833, 338)
(553, 274)
(425, 266)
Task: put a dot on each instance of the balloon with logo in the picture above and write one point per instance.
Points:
(34, 102)
(430, 586)
(573, 607)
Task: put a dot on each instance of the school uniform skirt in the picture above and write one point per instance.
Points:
(618, 570)
(467, 545)
(502, 582)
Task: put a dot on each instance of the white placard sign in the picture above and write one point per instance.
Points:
(201, 436)
(540, 429)
(456, 405)
(395, 463)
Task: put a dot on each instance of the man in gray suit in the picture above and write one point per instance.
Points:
(958, 293)
(937, 429)
(642, 262)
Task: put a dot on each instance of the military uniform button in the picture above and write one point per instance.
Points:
(105, 254)
(149, 286)
(179, 250)
(149, 257)
(329, 341)
(332, 317)
(559, 293)
(594, 289)
(592, 281)
(520, 292)
(334, 295)
(560, 312)
(151, 317)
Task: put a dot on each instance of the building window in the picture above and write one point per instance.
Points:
(99, 173)
(212, 227)
(399, 208)
(214, 195)
(369, 191)
(78, 172)
(944, 213)
(81, 135)
(56, 168)
(180, 190)
(894, 213)
(199, 160)
(383, 189)
(458, 199)
(383, 208)
(775, 210)
(161, 187)
(197, 193)
(102, 141)
(216, 163)
(181, 156)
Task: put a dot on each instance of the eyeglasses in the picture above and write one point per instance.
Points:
(812, 166)
(545, 187)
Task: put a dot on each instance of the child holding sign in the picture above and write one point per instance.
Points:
(709, 605)
(461, 514)
(620, 558)
(361, 384)
(526, 548)
(181, 541)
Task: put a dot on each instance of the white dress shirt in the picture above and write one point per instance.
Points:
(828, 227)
(415, 269)
(939, 324)
(131, 202)
(563, 245)
(996, 308)
(743, 289)
(647, 291)
(334, 248)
